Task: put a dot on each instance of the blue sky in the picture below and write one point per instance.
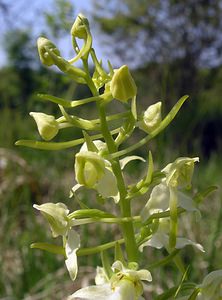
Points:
(25, 15)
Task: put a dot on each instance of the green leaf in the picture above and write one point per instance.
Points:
(90, 145)
(170, 293)
(72, 103)
(165, 260)
(119, 254)
(194, 295)
(57, 146)
(49, 145)
(182, 281)
(106, 264)
(54, 99)
(48, 247)
(89, 213)
(200, 196)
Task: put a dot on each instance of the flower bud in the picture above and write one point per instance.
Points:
(151, 118)
(122, 85)
(89, 168)
(48, 127)
(79, 28)
(44, 45)
(56, 215)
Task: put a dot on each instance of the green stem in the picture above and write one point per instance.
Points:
(127, 228)
(97, 249)
(74, 103)
(93, 122)
(164, 261)
(173, 218)
(78, 222)
(125, 207)
(60, 145)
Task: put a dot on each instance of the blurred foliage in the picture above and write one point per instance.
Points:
(175, 48)
(163, 72)
(60, 20)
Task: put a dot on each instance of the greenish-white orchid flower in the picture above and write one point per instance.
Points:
(159, 201)
(179, 173)
(89, 168)
(160, 238)
(125, 284)
(93, 171)
(211, 287)
(57, 216)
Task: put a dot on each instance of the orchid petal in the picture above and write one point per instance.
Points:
(95, 292)
(158, 201)
(127, 159)
(182, 242)
(72, 245)
(211, 287)
(107, 185)
(101, 277)
(56, 215)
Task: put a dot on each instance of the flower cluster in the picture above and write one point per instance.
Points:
(99, 167)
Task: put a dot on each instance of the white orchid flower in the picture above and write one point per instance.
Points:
(180, 172)
(211, 287)
(160, 238)
(160, 198)
(94, 171)
(57, 216)
(104, 181)
(126, 284)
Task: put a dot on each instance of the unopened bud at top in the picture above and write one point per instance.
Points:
(79, 28)
(44, 45)
(122, 85)
(151, 118)
(47, 125)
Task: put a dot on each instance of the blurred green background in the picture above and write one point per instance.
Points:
(173, 48)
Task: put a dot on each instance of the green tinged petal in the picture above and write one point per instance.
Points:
(56, 215)
(43, 45)
(122, 85)
(80, 26)
(151, 118)
(71, 247)
(179, 173)
(211, 287)
(89, 168)
(47, 125)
